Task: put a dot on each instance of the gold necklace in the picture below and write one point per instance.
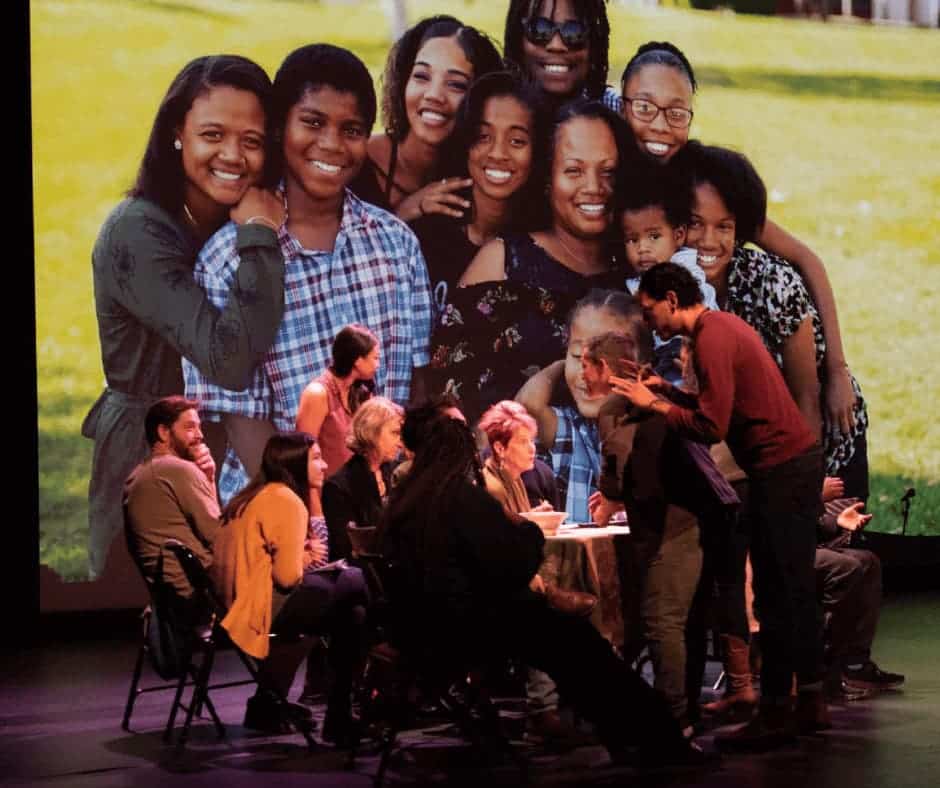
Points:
(571, 254)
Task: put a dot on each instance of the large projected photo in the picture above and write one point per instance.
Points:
(501, 265)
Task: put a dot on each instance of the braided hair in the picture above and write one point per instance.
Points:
(592, 13)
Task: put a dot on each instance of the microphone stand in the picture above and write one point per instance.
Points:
(906, 508)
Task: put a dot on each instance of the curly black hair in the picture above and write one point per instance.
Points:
(457, 148)
(476, 45)
(736, 180)
(659, 53)
(592, 13)
(446, 460)
(663, 277)
(649, 184)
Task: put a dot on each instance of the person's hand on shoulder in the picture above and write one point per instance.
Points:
(260, 206)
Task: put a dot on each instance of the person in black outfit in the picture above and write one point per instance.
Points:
(357, 491)
(463, 599)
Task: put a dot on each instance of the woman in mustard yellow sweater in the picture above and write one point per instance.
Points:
(258, 570)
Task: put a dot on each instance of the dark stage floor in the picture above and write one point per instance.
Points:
(62, 705)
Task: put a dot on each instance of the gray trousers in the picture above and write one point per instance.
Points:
(668, 568)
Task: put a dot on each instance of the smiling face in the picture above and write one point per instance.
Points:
(500, 159)
(588, 323)
(439, 80)
(316, 467)
(324, 143)
(649, 237)
(558, 70)
(666, 87)
(517, 456)
(184, 435)
(583, 170)
(222, 153)
(712, 233)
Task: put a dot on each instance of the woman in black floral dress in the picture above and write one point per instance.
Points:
(768, 293)
(499, 142)
(509, 318)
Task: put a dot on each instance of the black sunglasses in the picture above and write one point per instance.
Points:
(540, 30)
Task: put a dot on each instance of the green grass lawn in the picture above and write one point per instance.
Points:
(841, 120)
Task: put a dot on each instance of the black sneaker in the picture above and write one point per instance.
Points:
(871, 677)
(848, 692)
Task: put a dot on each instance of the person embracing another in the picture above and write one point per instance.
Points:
(744, 400)
(204, 157)
(347, 261)
(427, 75)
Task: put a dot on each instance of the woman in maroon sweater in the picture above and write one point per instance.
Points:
(744, 400)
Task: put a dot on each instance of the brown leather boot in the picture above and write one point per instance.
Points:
(572, 603)
(740, 699)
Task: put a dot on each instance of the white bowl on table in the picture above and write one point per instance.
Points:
(547, 521)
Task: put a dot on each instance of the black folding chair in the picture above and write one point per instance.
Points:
(145, 654)
(162, 635)
(204, 641)
(395, 666)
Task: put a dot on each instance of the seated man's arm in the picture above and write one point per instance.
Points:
(197, 499)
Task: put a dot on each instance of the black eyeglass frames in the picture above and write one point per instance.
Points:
(540, 30)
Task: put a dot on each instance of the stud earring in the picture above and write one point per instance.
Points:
(178, 145)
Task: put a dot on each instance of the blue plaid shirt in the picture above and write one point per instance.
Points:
(612, 100)
(375, 275)
(576, 461)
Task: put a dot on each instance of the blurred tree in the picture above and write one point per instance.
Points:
(397, 13)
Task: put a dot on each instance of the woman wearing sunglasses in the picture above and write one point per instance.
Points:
(562, 45)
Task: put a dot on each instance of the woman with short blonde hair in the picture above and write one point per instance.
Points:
(356, 492)
(367, 424)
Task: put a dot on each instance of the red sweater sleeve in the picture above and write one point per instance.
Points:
(714, 360)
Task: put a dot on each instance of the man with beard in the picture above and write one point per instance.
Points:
(171, 494)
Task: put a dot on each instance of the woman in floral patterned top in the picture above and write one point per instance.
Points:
(768, 293)
(511, 321)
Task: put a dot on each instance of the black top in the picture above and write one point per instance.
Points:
(494, 335)
(352, 495)
(447, 251)
(489, 557)
(366, 184)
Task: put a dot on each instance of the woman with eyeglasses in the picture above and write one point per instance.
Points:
(427, 75)
(658, 85)
(562, 45)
